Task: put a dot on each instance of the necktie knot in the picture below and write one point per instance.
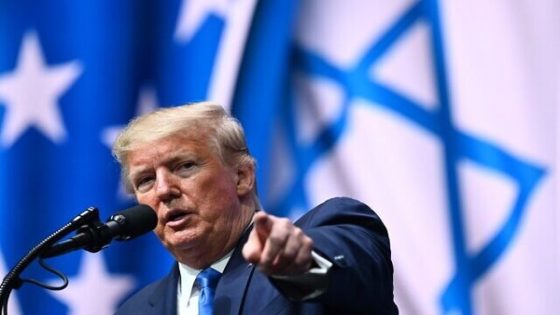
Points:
(207, 281)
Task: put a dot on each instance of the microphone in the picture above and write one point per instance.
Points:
(93, 237)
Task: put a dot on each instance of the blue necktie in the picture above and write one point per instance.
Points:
(207, 281)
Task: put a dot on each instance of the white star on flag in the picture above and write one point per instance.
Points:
(30, 93)
(194, 12)
(94, 291)
(147, 103)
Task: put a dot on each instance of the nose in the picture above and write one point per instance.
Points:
(166, 186)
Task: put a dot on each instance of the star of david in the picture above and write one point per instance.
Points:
(458, 145)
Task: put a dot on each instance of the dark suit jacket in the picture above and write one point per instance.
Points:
(345, 231)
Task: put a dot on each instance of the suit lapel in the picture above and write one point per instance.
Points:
(232, 287)
(164, 299)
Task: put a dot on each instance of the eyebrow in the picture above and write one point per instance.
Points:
(132, 176)
(174, 159)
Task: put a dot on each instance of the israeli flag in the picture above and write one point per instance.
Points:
(443, 117)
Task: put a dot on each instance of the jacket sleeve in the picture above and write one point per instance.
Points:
(351, 235)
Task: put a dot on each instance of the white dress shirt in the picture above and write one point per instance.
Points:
(188, 294)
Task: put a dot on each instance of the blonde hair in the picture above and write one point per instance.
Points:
(224, 132)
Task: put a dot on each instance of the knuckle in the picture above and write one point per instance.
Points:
(289, 254)
(284, 222)
(302, 259)
(307, 242)
(276, 238)
(265, 260)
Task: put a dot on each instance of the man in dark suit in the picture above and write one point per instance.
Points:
(191, 164)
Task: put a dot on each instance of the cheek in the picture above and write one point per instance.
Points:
(160, 233)
(148, 200)
(144, 199)
(223, 189)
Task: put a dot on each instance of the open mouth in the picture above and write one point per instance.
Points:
(175, 215)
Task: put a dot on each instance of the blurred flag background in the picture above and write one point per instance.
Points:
(443, 116)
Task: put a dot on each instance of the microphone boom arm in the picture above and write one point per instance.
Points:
(12, 280)
(93, 235)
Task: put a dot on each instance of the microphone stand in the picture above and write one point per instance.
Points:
(13, 281)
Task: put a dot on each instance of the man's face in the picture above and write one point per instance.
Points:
(195, 195)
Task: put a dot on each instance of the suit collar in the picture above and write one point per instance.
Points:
(230, 292)
(164, 299)
(232, 287)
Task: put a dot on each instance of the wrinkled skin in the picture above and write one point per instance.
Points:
(204, 205)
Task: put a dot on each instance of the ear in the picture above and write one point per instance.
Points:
(245, 179)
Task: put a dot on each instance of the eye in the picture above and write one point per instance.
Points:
(143, 184)
(185, 168)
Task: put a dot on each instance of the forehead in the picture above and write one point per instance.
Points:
(169, 148)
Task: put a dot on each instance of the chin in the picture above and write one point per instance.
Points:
(182, 240)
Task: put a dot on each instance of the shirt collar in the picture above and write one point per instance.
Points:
(188, 274)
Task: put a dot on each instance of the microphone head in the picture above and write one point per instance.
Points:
(134, 221)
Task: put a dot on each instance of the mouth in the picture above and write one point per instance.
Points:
(176, 217)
